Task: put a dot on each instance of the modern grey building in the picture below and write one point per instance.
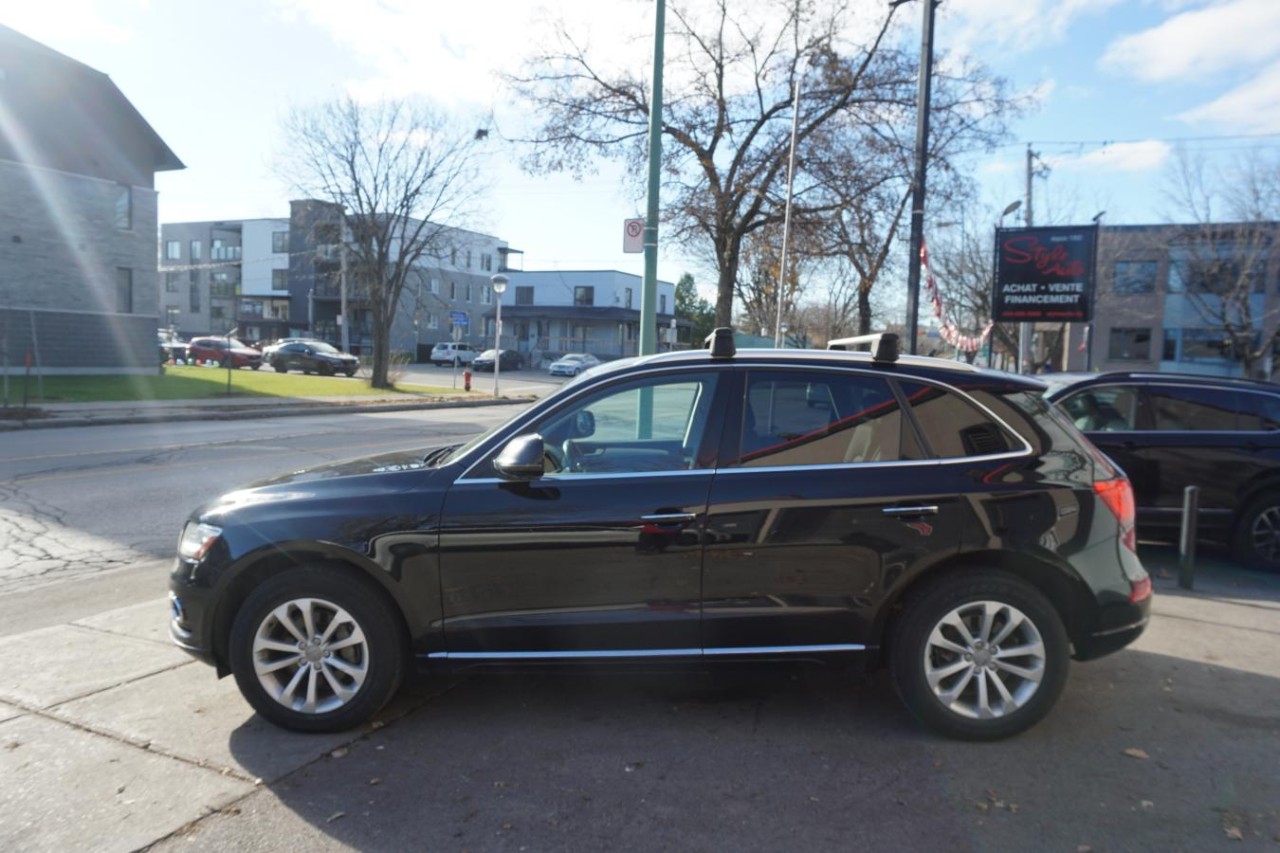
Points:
(78, 283)
(232, 274)
(1167, 295)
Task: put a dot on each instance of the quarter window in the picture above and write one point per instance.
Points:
(1212, 409)
(952, 426)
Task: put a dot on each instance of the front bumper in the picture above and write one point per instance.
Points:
(190, 618)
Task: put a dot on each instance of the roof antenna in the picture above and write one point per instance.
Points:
(720, 342)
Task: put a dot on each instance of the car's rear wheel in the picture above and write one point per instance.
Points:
(979, 655)
(316, 650)
(1257, 537)
(326, 370)
(281, 367)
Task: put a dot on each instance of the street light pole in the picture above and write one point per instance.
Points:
(918, 183)
(779, 327)
(499, 283)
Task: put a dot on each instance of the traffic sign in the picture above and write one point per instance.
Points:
(459, 318)
(633, 236)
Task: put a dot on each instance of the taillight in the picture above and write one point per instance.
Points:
(1117, 494)
(1140, 590)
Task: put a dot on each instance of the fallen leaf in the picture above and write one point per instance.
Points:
(339, 752)
(1083, 848)
(375, 781)
(983, 807)
(937, 763)
(376, 724)
(336, 816)
(1234, 833)
(1134, 752)
(1147, 804)
(1013, 808)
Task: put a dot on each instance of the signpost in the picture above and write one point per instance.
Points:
(459, 321)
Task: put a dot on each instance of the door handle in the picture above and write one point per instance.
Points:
(911, 510)
(669, 518)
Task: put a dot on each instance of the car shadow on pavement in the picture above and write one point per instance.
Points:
(1144, 751)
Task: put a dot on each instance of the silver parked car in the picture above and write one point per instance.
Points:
(572, 364)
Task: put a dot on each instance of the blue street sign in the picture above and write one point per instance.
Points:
(459, 318)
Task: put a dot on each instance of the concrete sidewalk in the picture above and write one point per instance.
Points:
(112, 739)
(103, 413)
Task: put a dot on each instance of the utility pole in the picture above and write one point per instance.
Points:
(918, 183)
(649, 290)
(1026, 330)
(342, 291)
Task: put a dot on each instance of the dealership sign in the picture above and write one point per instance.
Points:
(1044, 274)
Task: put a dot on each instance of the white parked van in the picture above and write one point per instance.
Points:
(452, 353)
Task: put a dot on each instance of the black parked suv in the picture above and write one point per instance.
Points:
(689, 508)
(1168, 431)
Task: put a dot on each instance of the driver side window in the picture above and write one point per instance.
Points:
(655, 424)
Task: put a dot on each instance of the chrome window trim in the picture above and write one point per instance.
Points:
(722, 651)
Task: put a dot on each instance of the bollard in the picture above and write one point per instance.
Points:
(1187, 538)
(466, 380)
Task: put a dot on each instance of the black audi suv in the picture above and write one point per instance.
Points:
(692, 508)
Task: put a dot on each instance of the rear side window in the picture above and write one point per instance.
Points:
(1260, 413)
(822, 419)
(1194, 409)
(952, 425)
(1110, 408)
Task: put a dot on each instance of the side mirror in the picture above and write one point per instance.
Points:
(521, 458)
(584, 424)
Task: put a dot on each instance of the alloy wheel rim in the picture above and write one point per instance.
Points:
(984, 660)
(1266, 534)
(310, 655)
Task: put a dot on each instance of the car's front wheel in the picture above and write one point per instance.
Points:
(1257, 536)
(316, 650)
(979, 655)
(280, 367)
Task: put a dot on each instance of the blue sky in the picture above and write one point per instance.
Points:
(215, 78)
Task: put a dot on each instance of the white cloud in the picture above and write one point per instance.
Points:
(1253, 107)
(1145, 156)
(1012, 26)
(1224, 35)
(62, 21)
(454, 51)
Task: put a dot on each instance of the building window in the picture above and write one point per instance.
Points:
(435, 286)
(486, 262)
(280, 242)
(217, 317)
(453, 256)
(584, 296)
(124, 290)
(124, 206)
(220, 251)
(1219, 268)
(468, 296)
(1129, 345)
(171, 314)
(628, 305)
(662, 304)
(171, 282)
(193, 275)
(453, 290)
(222, 285)
(173, 250)
(1200, 345)
(468, 259)
(433, 322)
(194, 297)
(524, 295)
(1135, 277)
(196, 249)
(279, 279)
(486, 294)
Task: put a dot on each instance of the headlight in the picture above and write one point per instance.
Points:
(196, 540)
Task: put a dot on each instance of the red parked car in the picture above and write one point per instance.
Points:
(221, 349)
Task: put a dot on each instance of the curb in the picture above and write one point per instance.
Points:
(230, 413)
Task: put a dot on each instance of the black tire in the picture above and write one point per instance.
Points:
(256, 366)
(326, 369)
(964, 596)
(281, 367)
(1256, 541)
(351, 372)
(378, 657)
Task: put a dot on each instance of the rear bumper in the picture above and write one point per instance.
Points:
(1115, 627)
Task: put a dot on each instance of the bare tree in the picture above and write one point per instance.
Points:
(732, 69)
(403, 177)
(1220, 267)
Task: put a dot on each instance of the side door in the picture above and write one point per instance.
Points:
(601, 555)
(1117, 420)
(826, 500)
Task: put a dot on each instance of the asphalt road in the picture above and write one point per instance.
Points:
(111, 740)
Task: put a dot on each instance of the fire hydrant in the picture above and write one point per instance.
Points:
(466, 380)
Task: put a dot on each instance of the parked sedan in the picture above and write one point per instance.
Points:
(222, 351)
(1169, 431)
(689, 508)
(312, 357)
(572, 364)
(511, 360)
